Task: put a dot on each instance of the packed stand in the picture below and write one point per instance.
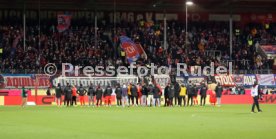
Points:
(207, 42)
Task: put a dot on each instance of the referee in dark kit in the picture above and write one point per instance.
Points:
(255, 96)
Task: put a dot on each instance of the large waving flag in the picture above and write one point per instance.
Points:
(64, 22)
(133, 51)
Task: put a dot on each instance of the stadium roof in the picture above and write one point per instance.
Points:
(146, 5)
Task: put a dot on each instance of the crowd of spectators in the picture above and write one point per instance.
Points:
(207, 42)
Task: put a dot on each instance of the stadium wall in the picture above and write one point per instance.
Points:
(50, 100)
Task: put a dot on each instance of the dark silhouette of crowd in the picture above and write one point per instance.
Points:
(207, 42)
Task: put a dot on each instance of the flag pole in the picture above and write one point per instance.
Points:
(24, 26)
(96, 30)
(39, 32)
(165, 30)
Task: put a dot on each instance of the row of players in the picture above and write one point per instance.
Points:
(140, 94)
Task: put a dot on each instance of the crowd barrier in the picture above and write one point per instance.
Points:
(43, 81)
(11, 85)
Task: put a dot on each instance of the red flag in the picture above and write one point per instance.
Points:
(130, 48)
(64, 22)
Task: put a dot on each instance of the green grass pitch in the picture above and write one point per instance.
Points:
(50, 122)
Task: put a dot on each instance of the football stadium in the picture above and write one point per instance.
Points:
(127, 69)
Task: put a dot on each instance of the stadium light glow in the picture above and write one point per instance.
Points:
(189, 3)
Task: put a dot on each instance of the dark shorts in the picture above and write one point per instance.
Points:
(98, 98)
(68, 97)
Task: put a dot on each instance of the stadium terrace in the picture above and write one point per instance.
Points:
(132, 69)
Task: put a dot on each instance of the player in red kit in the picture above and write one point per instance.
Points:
(107, 95)
(82, 91)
